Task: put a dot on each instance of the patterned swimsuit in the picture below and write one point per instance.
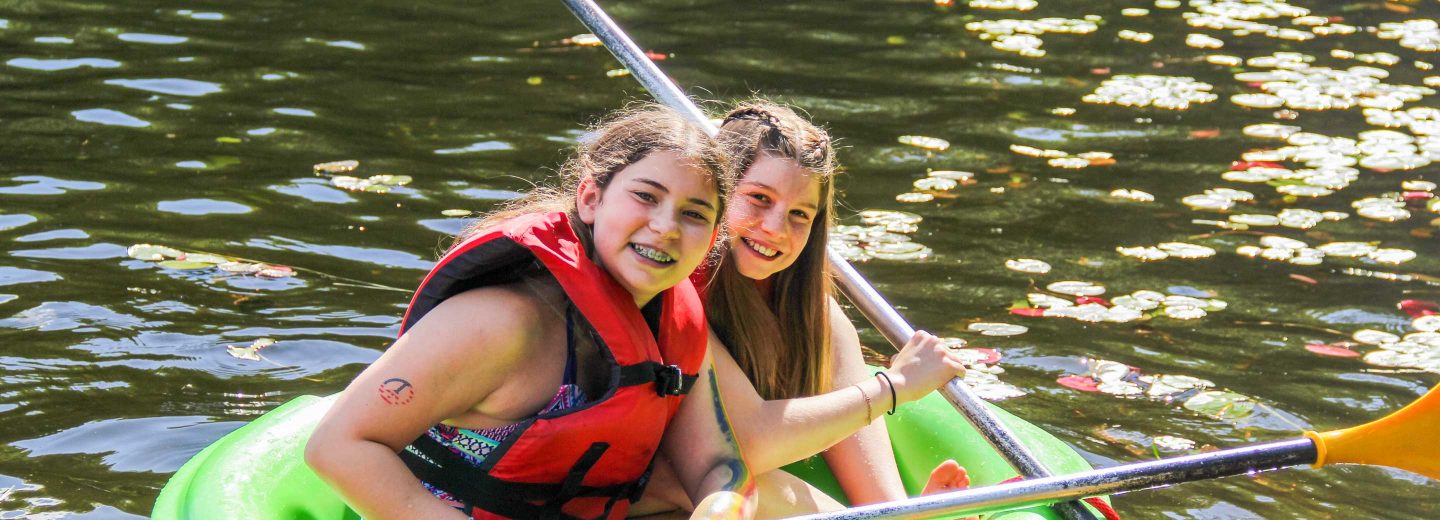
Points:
(476, 445)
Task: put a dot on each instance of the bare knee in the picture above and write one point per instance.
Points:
(783, 494)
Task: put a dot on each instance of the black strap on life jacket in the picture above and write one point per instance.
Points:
(442, 468)
(668, 379)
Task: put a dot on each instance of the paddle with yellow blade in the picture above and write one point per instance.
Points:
(1403, 440)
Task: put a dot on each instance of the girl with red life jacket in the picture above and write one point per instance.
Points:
(546, 354)
(782, 336)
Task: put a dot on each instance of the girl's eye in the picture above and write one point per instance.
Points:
(760, 197)
(800, 215)
(645, 196)
(697, 216)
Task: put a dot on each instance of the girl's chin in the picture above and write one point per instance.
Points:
(755, 272)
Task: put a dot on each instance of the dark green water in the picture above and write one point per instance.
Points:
(195, 125)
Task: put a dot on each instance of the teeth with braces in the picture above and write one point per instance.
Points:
(653, 254)
(761, 249)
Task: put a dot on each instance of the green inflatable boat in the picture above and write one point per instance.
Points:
(259, 471)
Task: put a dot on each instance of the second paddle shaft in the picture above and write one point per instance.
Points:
(1129, 477)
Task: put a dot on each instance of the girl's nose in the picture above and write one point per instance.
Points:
(664, 225)
(773, 222)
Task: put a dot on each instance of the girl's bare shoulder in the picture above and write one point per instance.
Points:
(495, 324)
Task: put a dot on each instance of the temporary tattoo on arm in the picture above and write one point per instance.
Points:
(397, 391)
(740, 480)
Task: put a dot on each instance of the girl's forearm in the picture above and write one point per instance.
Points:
(375, 483)
(785, 431)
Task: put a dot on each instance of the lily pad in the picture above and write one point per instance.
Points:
(1076, 288)
(185, 265)
(1081, 383)
(1221, 404)
(337, 166)
(1172, 443)
(1027, 265)
(153, 253)
(997, 329)
(929, 143)
(914, 198)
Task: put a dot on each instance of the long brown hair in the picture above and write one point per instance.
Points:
(781, 342)
(623, 138)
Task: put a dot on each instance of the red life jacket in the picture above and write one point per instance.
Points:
(590, 461)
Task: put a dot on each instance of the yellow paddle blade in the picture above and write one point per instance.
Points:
(1404, 439)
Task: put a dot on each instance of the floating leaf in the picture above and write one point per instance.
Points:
(997, 329)
(584, 40)
(456, 213)
(275, 271)
(1076, 288)
(1081, 383)
(1331, 350)
(1135, 195)
(913, 198)
(337, 166)
(929, 143)
(240, 267)
(153, 253)
(935, 184)
(1172, 443)
(1167, 385)
(1429, 323)
(1027, 265)
(1221, 404)
(251, 352)
(185, 265)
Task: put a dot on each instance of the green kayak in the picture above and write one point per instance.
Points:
(259, 471)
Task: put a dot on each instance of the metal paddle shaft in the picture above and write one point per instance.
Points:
(856, 289)
(1119, 479)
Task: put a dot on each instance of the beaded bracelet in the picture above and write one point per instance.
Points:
(893, 398)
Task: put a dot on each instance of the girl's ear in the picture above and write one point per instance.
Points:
(587, 200)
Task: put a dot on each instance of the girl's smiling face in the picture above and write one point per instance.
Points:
(653, 223)
(770, 216)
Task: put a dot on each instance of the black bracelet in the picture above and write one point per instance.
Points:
(893, 399)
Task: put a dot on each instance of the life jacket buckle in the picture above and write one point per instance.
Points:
(669, 380)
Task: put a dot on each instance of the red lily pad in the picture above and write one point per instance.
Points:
(1417, 195)
(1033, 312)
(1331, 350)
(992, 356)
(1082, 300)
(1245, 165)
(1418, 308)
(1081, 383)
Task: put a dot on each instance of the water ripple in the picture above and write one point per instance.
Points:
(16, 275)
(62, 64)
(106, 116)
(384, 257)
(52, 316)
(40, 185)
(90, 252)
(8, 222)
(59, 234)
(173, 86)
(152, 444)
(203, 207)
(156, 39)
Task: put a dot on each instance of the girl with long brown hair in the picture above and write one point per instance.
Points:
(787, 358)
